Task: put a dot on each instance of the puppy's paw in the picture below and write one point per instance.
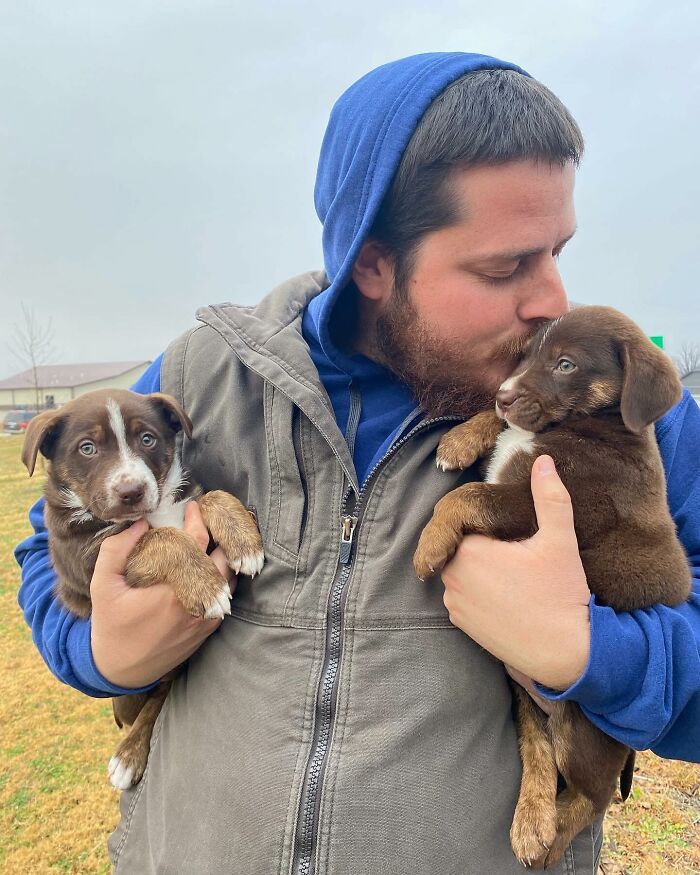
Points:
(127, 766)
(202, 591)
(533, 831)
(220, 606)
(460, 447)
(435, 546)
(249, 564)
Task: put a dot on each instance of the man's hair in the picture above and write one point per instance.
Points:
(484, 117)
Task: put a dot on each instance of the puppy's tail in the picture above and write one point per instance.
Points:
(627, 775)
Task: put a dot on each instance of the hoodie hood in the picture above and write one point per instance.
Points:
(367, 134)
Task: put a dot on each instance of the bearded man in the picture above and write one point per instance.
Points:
(340, 721)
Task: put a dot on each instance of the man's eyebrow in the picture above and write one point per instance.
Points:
(519, 254)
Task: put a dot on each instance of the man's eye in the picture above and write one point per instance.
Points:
(148, 440)
(565, 366)
(87, 448)
(501, 278)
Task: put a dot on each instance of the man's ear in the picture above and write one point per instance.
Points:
(373, 271)
(174, 416)
(40, 436)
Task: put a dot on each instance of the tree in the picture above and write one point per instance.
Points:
(688, 360)
(34, 346)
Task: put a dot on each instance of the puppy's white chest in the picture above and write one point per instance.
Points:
(510, 441)
(168, 513)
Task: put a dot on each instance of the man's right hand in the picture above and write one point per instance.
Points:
(139, 635)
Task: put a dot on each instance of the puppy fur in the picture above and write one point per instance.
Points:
(113, 460)
(587, 391)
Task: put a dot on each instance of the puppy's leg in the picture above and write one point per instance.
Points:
(462, 445)
(534, 825)
(129, 761)
(234, 530)
(168, 555)
(591, 763)
(502, 511)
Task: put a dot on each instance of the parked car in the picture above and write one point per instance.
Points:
(17, 420)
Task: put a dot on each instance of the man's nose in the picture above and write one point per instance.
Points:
(545, 298)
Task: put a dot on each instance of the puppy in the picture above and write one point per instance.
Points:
(587, 391)
(112, 461)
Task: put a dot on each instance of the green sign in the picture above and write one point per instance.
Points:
(658, 340)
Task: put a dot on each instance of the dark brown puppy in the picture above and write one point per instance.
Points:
(113, 461)
(586, 392)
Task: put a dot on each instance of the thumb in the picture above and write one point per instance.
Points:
(115, 550)
(555, 515)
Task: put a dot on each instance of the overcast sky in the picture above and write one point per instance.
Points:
(156, 155)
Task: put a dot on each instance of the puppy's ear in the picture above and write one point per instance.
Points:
(40, 437)
(174, 416)
(650, 384)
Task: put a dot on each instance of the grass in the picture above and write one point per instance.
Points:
(57, 807)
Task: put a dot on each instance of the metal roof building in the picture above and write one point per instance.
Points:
(58, 384)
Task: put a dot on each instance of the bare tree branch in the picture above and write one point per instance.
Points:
(688, 359)
(33, 346)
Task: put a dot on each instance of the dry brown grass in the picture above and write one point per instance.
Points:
(57, 807)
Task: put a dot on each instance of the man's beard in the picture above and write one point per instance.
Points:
(443, 376)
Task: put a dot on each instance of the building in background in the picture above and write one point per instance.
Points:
(692, 381)
(57, 384)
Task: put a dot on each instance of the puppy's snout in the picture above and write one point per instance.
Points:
(130, 493)
(505, 397)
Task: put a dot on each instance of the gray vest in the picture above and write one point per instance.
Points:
(336, 723)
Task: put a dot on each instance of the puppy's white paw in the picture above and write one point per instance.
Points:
(249, 565)
(120, 775)
(221, 606)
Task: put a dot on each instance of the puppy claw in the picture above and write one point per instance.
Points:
(249, 564)
(445, 464)
(221, 605)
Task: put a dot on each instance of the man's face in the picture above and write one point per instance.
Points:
(480, 287)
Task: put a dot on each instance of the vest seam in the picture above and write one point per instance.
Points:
(303, 555)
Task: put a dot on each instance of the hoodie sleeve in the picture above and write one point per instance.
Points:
(642, 682)
(62, 639)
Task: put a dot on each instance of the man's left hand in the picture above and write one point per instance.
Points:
(526, 602)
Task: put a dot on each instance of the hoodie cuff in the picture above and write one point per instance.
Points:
(84, 668)
(617, 663)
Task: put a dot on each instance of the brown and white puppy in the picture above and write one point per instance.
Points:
(112, 461)
(587, 391)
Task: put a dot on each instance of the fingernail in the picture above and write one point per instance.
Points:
(545, 466)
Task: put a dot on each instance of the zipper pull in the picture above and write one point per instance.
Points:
(347, 532)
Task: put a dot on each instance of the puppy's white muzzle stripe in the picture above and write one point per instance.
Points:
(130, 468)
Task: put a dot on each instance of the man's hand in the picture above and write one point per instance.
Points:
(138, 635)
(526, 602)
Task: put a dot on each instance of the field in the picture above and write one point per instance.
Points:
(57, 807)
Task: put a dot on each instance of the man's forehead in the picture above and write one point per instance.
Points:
(511, 210)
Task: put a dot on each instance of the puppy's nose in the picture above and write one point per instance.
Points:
(131, 493)
(505, 397)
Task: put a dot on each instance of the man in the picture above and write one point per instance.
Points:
(338, 722)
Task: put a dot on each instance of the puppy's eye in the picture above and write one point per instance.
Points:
(87, 448)
(148, 440)
(565, 366)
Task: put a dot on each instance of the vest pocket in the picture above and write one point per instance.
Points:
(286, 514)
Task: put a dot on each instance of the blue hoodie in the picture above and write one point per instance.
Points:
(642, 683)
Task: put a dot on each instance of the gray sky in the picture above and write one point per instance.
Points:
(157, 155)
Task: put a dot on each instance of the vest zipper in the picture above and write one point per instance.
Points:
(306, 833)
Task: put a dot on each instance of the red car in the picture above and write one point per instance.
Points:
(18, 420)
